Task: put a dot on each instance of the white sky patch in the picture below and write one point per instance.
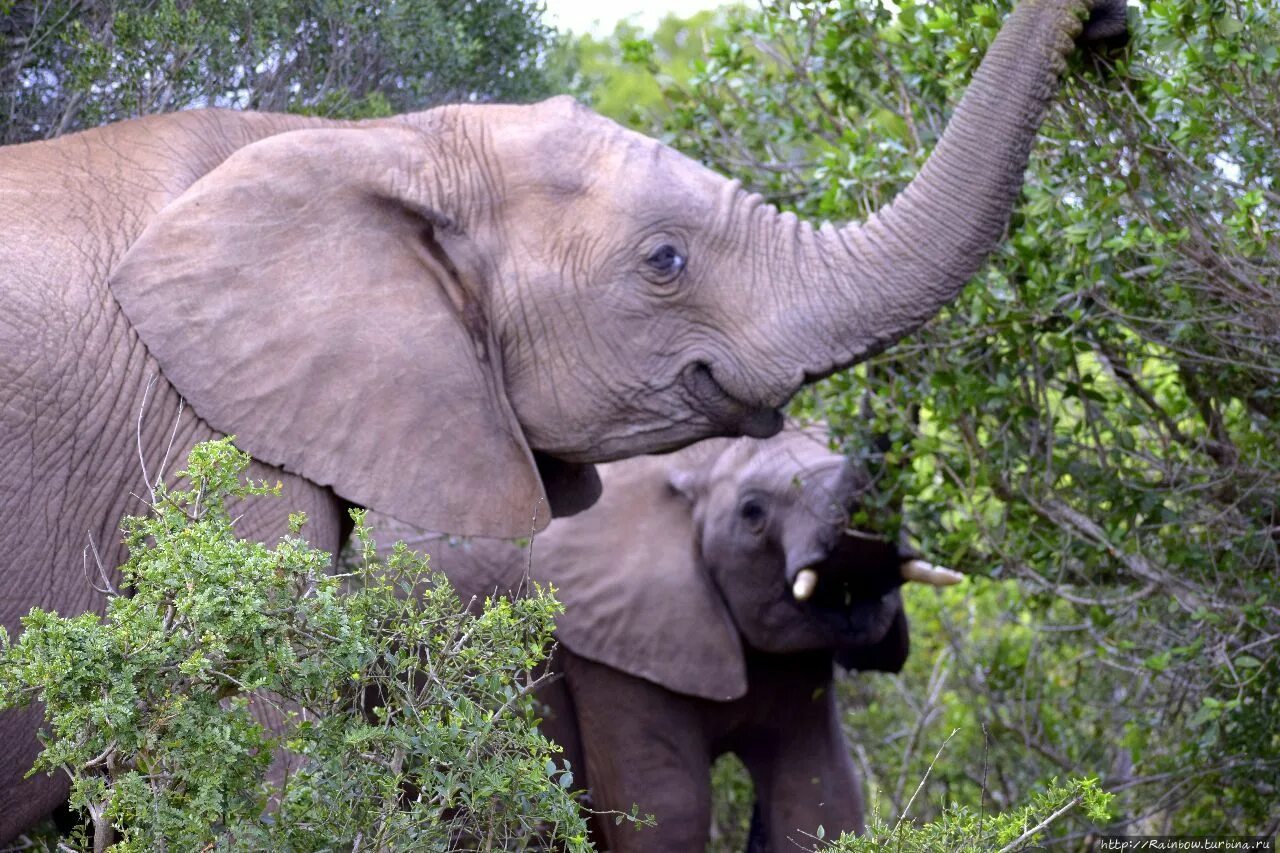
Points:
(599, 17)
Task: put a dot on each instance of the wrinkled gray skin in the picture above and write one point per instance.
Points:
(445, 316)
(681, 639)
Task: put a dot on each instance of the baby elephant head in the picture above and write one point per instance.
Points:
(692, 558)
(771, 526)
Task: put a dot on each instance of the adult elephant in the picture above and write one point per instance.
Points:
(706, 597)
(446, 316)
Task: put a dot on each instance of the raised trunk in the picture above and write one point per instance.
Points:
(868, 284)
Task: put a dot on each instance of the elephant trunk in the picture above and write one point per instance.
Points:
(868, 284)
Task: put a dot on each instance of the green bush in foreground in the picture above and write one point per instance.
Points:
(959, 829)
(405, 721)
(955, 827)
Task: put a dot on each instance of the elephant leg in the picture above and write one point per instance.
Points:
(804, 777)
(559, 722)
(557, 714)
(646, 746)
(757, 840)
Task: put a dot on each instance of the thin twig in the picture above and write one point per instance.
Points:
(923, 779)
(142, 408)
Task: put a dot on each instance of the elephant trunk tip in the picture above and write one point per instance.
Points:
(762, 423)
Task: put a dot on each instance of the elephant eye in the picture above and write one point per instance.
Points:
(752, 512)
(665, 263)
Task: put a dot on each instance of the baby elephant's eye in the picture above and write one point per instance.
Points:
(665, 262)
(752, 512)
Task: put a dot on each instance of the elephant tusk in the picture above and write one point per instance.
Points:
(802, 587)
(922, 572)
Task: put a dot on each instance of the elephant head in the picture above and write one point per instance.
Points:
(504, 294)
(729, 544)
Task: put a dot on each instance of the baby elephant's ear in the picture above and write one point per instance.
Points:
(688, 472)
(313, 296)
(635, 595)
(889, 654)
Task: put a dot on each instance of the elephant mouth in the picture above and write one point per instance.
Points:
(724, 410)
(860, 570)
(842, 607)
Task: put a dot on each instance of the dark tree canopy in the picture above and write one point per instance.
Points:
(70, 64)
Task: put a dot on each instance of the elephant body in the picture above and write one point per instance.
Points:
(684, 636)
(446, 316)
(69, 358)
(639, 743)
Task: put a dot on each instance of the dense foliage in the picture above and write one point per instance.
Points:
(404, 721)
(1092, 429)
(71, 64)
(615, 73)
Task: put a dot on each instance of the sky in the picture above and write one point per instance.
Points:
(600, 16)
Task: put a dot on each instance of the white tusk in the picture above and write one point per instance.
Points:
(802, 587)
(922, 572)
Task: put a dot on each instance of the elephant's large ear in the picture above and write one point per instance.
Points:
(635, 595)
(313, 297)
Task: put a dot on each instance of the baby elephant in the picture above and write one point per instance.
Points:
(706, 597)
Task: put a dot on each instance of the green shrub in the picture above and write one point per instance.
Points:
(959, 829)
(405, 720)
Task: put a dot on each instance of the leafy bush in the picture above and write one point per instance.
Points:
(959, 829)
(404, 721)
